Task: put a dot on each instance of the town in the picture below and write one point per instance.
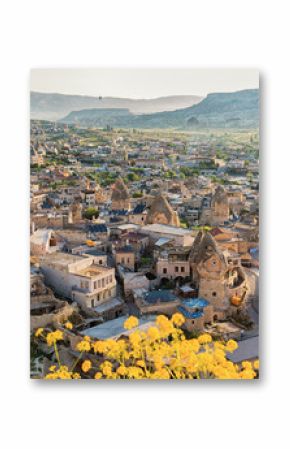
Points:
(135, 222)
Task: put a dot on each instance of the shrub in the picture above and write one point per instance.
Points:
(160, 352)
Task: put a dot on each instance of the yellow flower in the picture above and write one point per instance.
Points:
(52, 368)
(135, 338)
(140, 363)
(135, 372)
(83, 346)
(177, 319)
(204, 338)
(53, 337)
(231, 346)
(247, 374)
(86, 366)
(194, 344)
(99, 346)
(98, 375)
(64, 375)
(247, 365)
(68, 325)
(38, 332)
(257, 365)
(76, 376)
(153, 333)
(165, 326)
(51, 376)
(160, 374)
(122, 370)
(106, 367)
(131, 322)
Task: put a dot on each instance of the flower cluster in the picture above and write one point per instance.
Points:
(160, 352)
(61, 373)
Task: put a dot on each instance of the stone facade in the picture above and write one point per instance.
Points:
(120, 196)
(125, 257)
(75, 213)
(171, 269)
(79, 278)
(219, 276)
(219, 210)
(161, 212)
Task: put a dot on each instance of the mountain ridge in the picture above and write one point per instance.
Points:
(54, 106)
(220, 109)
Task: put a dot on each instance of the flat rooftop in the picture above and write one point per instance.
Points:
(40, 236)
(165, 229)
(115, 328)
(62, 259)
(92, 271)
(248, 350)
(108, 305)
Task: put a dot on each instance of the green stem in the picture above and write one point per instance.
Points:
(77, 361)
(56, 354)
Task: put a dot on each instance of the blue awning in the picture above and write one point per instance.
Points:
(195, 302)
(190, 315)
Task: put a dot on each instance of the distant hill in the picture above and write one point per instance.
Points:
(50, 106)
(218, 110)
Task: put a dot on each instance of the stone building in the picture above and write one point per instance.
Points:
(43, 241)
(219, 276)
(126, 257)
(178, 236)
(75, 213)
(120, 196)
(45, 309)
(220, 206)
(161, 212)
(172, 265)
(79, 278)
(138, 215)
(219, 212)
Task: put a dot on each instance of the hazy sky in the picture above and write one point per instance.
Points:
(142, 83)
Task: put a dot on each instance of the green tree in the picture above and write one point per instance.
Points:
(90, 213)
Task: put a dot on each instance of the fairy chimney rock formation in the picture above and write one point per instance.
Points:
(161, 212)
(120, 196)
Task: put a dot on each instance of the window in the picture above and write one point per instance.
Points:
(92, 303)
(100, 262)
(214, 294)
(128, 260)
(95, 285)
(122, 260)
(164, 270)
(182, 269)
(176, 269)
(192, 321)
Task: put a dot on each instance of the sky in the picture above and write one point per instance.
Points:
(142, 82)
